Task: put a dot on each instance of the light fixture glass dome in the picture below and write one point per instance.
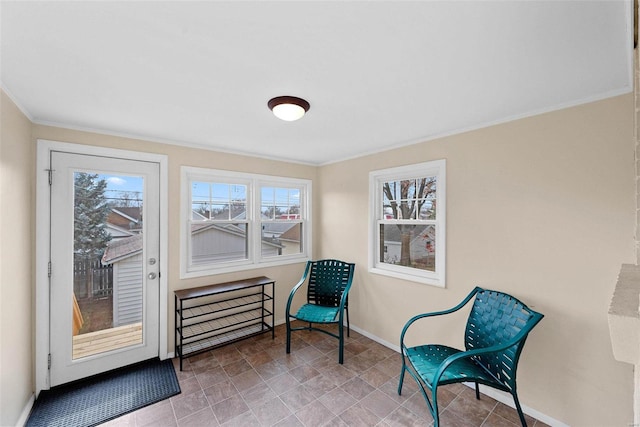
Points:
(288, 108)
(288, 112)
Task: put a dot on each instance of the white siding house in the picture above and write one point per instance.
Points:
(127, 291)
(126, 257)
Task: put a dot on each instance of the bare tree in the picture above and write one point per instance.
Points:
(406, 199)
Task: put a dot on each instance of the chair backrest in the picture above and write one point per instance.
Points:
(328, 280)
(496, 318)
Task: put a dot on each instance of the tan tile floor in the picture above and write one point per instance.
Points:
(254, 383)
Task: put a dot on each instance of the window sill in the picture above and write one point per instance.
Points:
(438, 282)
(242, 267)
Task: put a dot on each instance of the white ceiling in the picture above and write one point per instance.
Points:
(378, 74)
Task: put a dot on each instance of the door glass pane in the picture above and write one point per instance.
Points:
(107, 262)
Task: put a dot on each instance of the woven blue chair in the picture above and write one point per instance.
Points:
(496, 330)
(327, 299)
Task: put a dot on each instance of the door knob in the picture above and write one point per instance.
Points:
(151, 276)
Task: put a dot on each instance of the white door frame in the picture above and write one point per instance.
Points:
(43, 210)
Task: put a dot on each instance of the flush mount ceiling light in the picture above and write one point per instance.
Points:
(288, 108)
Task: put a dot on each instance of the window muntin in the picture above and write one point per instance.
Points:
(219, 200)
(279, 203)
(235, 221)
(412, 199)
(408, 222)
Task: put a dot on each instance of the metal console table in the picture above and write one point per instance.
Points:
(211, 316)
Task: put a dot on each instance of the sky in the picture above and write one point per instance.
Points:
(122, 185)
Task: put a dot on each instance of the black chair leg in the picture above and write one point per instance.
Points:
(477, 391)
(340, 349)
(519, 408)
(401, 377)
(288, 335)
(434, 409)
(348, 324)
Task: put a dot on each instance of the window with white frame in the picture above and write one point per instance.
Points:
(233, 221)
(408, 222)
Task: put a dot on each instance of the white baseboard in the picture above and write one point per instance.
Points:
(24, 416)
(507, 399)
(387, 344)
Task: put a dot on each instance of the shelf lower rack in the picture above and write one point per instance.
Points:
(211, 316)
(202, 345)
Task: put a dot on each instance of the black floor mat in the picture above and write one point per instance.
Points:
(106, 396)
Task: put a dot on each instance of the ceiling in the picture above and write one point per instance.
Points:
(378, 74)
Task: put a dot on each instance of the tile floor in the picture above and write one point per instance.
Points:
(255, 383)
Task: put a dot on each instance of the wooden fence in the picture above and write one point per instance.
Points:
(91, 279)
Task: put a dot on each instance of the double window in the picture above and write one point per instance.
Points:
(408, 222)
(233, 221)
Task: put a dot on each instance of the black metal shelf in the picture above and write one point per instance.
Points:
(206, 318)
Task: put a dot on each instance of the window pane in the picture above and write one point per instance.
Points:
(218, 201)
(211, 243)
(230, 201)
(238, 220)
(408, 245)
(280, 203)
(281, 238)
(409, 198)
(267, 212)
(200, 199)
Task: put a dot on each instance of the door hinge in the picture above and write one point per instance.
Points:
(49, 361)
(49, 269)
(50, 176)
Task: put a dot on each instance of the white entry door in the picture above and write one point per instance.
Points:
(104, 295)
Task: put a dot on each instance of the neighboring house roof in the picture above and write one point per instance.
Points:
(236, 213)
(120, 249)
(228, 228)
(271, 229)
(117, 232)
(278, 228)
(132, 212)
(292, 234)
(125, 217)
(197, 216)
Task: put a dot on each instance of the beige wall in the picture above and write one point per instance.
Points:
(542, 208)
(17, 164)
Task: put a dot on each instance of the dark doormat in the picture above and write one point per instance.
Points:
(103, 397)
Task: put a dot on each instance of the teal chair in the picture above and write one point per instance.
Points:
(328, 285)
(496, 330)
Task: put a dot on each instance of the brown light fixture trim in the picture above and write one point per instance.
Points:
(288, 108)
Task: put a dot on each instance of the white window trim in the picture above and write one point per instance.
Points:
(435, 168)
(254, 182)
